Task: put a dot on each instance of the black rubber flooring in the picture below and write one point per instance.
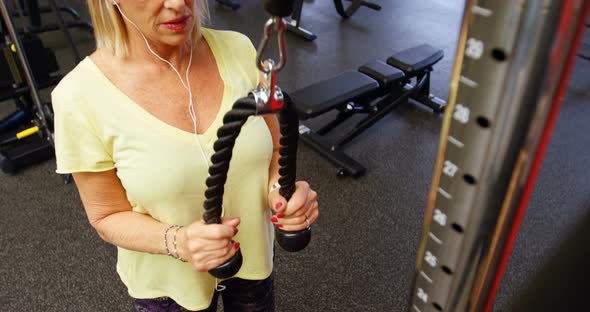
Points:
(364, 247)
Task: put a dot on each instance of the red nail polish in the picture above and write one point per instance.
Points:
(281, 215)
(278, 205)
(236, 246)
(274, 219)
(280, 226)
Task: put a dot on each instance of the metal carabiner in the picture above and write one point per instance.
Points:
(268, 96)
(273, 24)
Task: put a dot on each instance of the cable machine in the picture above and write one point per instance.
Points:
(512, 66)
(27, 67)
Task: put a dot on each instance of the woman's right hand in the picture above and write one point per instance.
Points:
(207, 246)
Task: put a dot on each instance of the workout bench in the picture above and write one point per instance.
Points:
(375, 90)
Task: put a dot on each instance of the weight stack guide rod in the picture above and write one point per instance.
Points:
(508, 66)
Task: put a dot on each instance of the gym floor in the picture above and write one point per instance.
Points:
(364, 248)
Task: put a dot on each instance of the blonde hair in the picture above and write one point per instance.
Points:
(109, 28)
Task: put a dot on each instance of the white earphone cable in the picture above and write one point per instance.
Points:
(186, 85)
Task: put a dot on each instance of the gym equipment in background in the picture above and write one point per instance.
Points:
(511, 71)
(267, 98)
(42, 61)
(15, 154)
(348, 10)
(232, 4)
(23, 149)
(293, 23)
(345, 11)
(375, 90)
(26, 67)
(36, 25)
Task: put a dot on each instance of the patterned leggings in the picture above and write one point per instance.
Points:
(239, 295)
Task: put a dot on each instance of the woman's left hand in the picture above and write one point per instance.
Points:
(300, 212)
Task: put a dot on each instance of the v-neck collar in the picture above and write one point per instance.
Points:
(209, 134)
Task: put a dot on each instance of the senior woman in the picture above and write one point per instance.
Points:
(135, 124)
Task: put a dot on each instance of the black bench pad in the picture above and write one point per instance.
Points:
(414, 60)
(323, 96)
(386, 75)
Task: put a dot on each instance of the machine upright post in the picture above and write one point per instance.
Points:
(509, 64)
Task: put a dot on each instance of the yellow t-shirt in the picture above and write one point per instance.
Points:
(98, 128)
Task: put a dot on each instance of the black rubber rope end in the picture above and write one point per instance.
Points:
(293, 241)
(230, 268)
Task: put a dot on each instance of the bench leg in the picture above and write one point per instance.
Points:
(293, 24)
(435, 103)
(301, 32)
(424, 96)
(384, 107)
(342, 116)
(345, 165)
(351, 8)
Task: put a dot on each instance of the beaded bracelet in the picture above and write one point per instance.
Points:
(178, 227)
(166, 240)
